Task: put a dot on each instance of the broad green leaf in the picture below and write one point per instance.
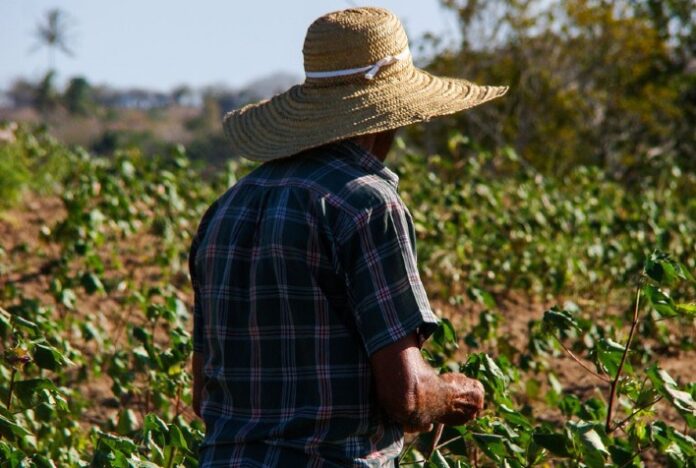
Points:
(557, 320)
(11, 429)
(177, 307)
(437, 460)
(609, 355)
(127, 422)
(91, 283)
(141, 334)
(11, 455)
(660, 301)
(5, 323)
(176, 438)
(445, 334)
(687, 308)
(570, 405)
(591, 445)
(156, 452)
(121, 444)
(624, 457)
(24, 323)
(492, 445)
(555, 443)
(513, 417)
(662, 435)
(592, 441)
(145, 464)
(44, 412)
(512, 463)
(492, 369)
(127, 169)
(683, 401)
(156, 429)
(68, 298)
(663, 269)
(48, 357)
(556, 385)
(26, 390)
(483, 297)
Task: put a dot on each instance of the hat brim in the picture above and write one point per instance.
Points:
(308, 116)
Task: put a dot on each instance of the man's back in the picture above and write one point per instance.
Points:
(303, 270)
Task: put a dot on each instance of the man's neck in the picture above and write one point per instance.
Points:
(377, 144)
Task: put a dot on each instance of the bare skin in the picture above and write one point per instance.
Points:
(412, 394)
(408, 389)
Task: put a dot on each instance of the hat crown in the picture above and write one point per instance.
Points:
(352, 38)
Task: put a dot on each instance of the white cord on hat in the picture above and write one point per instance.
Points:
(371, 70)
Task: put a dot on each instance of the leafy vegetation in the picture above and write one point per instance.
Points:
(95, 306)
(609, 83)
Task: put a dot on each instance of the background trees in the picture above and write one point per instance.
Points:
(592, 82)
(55, 34)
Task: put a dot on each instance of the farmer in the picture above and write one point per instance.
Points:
(309, 310)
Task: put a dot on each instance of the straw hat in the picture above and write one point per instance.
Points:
(360, 79)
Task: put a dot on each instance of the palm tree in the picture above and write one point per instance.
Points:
(54, 33)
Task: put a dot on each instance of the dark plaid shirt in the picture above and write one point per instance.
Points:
(301, 271)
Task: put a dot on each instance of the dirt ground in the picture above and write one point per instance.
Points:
(165, 125)
(25, 260)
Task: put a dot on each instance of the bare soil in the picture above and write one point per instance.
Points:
(25, 261)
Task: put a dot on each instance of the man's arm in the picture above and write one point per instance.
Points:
(197, 382)
(412, 393)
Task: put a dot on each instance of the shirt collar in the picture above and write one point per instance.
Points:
(367, 161)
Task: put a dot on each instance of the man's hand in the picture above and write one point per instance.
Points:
(466, 399)
(412, 393)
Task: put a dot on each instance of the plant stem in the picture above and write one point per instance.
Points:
(436, 438)
(615, 382)
(9, 393)
(177, 409)
(630, 460)
(172, 454)
(601, 377)
(406, 450)
(635, 411)
(447, 442)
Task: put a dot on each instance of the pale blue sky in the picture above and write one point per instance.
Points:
(159, 44)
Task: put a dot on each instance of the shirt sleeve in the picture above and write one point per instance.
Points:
(378, 258)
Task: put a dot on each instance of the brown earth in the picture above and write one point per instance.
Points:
(25, 261)
(518, 310)
(168, 125)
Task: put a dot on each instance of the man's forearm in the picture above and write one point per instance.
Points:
(413, 394)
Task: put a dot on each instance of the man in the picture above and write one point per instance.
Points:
(309, 310)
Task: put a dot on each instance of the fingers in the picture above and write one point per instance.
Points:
(416, 429)
(466, 400)
(460, 415)
(469, 391)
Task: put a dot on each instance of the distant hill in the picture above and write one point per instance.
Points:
(24, 94)
(271, 85)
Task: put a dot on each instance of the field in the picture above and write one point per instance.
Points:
(571, 298)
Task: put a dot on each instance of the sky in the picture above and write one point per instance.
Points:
(159, 44)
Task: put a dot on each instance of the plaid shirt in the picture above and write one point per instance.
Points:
(301, 271)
